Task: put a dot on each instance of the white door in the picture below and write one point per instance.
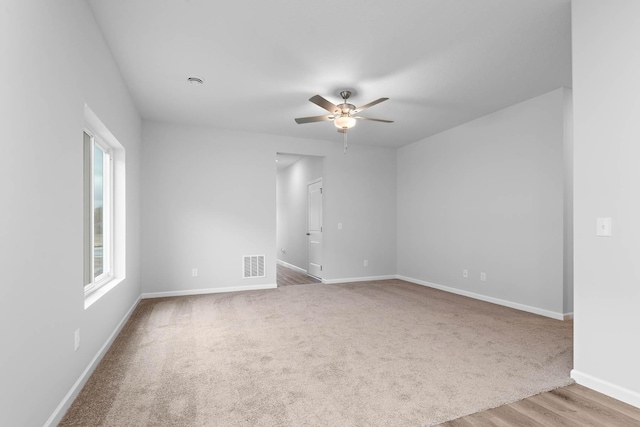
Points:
(314, 228)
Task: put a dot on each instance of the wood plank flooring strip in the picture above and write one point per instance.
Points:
(571, 406)
(567, 409)
(286, 276)
(624, 408)
(597, 410)
(513, 417)
(480, 419)
(460, 422)
(542, 414)
(498, 422)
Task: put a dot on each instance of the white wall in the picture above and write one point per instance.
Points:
(487, 196)
(53, 61)
(568, 200)
(291, 196)
(606, 67)
(209, 197)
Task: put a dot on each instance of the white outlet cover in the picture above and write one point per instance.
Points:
(604, 227)
(483, 277)
(465, 273)
(76, 340)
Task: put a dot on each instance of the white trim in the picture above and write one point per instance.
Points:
(207, 291)
(59, 412)
(320, 234)
(102, 144)
(359, 279)
(624, 394)
(97, 293)
(314, 181)
(568, 316)
(291, 266)
(114, 209)
(510, 304)
(107, 212)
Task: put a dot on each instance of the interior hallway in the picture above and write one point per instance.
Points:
(286, 276)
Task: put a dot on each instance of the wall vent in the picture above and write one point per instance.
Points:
(253, 266)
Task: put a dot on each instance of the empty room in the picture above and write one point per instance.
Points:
(319, 214)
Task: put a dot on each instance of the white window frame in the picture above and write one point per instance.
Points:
(114, 211)
(93, 283)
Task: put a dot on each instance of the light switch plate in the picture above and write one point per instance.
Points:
(603, 227)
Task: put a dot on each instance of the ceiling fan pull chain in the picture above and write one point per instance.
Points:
(345, 142)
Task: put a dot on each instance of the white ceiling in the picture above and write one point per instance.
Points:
(441, 62)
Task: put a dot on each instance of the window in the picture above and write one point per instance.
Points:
(104, 198)
(98, 213)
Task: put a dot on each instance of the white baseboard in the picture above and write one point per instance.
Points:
(59, 412)
(358, 279)
(568, 316)
(510, 304)
(605, 387)
(207, 291)
(291, 266)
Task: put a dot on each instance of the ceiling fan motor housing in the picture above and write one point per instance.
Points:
(346, 109)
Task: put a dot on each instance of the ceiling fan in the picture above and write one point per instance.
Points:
(343, 115)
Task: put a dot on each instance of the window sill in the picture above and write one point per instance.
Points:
(90, 298)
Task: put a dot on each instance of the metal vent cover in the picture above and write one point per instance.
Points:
(253, 266)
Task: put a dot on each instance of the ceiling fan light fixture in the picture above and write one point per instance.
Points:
(344, 122)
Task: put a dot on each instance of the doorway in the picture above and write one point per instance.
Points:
(299, 219)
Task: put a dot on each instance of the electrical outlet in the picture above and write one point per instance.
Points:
(483, 277)
(194, 272)
(366, 263)
(76, 340)
(465, 273)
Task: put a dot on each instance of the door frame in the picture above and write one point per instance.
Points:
(309, 270)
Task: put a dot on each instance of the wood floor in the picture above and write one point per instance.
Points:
(573, 405)
(288, 277)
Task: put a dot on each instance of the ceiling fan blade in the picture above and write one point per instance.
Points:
(371, 104)
(302, 120)
(321, 102)
(373, 120)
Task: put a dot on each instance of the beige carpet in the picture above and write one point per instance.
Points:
(386, 353)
